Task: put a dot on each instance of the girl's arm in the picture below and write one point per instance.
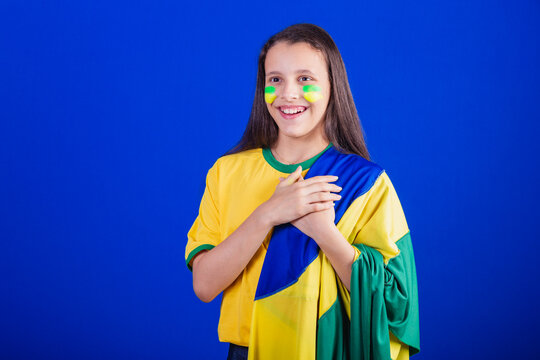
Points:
(215, 269)
(321, 228)
(339, 252)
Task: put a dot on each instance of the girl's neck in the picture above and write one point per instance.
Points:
(295, 151)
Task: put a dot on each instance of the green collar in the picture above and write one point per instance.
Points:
(279, 166)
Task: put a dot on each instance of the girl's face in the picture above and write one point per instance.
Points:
(299, 77)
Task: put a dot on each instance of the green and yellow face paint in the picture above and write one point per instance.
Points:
(270, 94)
(312, 93)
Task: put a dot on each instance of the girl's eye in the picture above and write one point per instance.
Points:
(306, 77)
(272, 79)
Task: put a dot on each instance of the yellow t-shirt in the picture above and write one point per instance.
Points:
(235, 186)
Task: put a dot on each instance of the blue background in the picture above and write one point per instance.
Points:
(111, 114)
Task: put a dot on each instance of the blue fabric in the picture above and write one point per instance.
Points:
(290, 251)
(237, 352)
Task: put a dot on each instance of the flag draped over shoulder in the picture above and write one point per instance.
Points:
(303, 311)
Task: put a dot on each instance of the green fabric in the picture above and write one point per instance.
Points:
(333, 333)
(384, 298)
(195, 251)
(284, 168)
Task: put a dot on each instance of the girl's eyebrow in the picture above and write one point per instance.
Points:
(305, 71)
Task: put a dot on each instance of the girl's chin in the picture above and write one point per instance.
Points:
(290, 128)
(294, 131)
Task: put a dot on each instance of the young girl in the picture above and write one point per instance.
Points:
(304, 235)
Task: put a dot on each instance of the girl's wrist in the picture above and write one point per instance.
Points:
(264, 215)
(327, 234)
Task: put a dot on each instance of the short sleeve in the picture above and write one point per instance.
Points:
(205, 231)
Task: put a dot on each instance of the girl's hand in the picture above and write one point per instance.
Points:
(295, 198)
(317, 222)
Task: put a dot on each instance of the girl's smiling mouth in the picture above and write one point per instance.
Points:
(291, 111)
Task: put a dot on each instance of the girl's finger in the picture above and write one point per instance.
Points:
(291, 179)
(321, 178)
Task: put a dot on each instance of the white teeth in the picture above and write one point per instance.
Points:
(292, 111)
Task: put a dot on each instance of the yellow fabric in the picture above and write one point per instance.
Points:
(375, 219)
(279, 314)
(398, 350)
(235, 186)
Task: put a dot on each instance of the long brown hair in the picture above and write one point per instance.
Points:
(342, 124)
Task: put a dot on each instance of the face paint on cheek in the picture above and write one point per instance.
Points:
(270, 94)
(312, 93)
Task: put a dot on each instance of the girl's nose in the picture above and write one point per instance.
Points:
(291, 91)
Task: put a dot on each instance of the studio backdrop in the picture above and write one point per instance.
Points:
(111, 114)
